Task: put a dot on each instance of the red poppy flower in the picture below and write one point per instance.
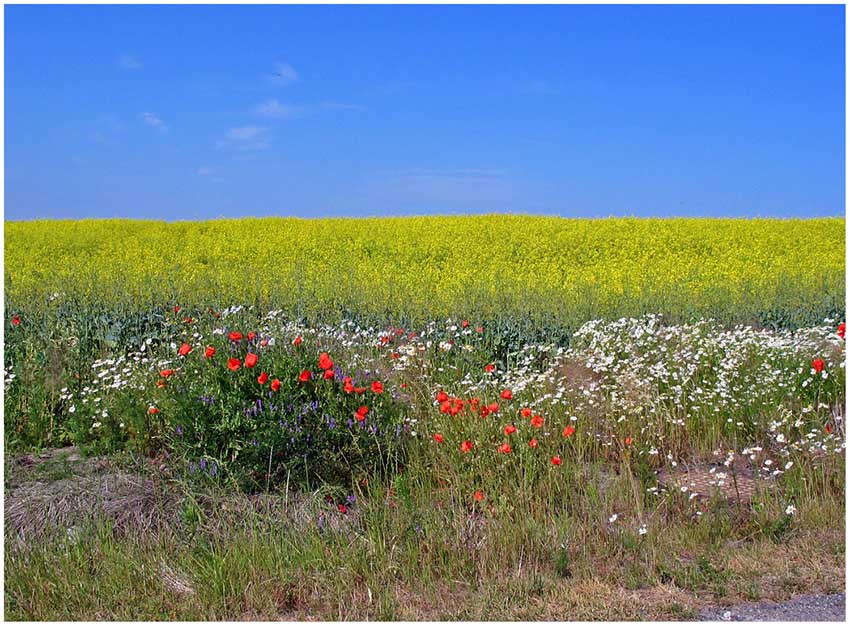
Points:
(480, 329)
(445, 407)
(842, 328)
(360, 390)
(325, 362)
(817, 365)
(209, 352)
(493, 407)
(262, 378)
(342, 508)
(361, 413)
(533, 443)
(297, 341)
(465, 323)
(442, 396)
(250, 359)
(251, 336)
(466, 446)
(328, 374)
(507, 395)
(484, 411)
(264, 342)
(275, 384)
(347, 386)
(628, 441)
(510, 429)
(188, 320)
(184, 349)
(505, 448)
(455, 410)
(569, 431)
(166, 373)
(478, 495)
(235, 335)
(828, 429)
(438, 438)
(489, 368)
(395, 355)
(176, 309)
(526, 412)
(537, 421)
(16, 320)
(153, 410)
(305, 375)
(377, 387)
(234, 364)
(160, 383)
(556, 460)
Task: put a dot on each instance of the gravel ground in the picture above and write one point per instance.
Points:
(817, 608)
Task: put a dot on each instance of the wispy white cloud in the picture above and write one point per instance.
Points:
(106, 130)
(151, 119)
(246, 138)
(128, 62)
(341, 106)
(273, 108)
(469, 174)
(283, 74)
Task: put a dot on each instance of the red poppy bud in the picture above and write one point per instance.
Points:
(297, 341)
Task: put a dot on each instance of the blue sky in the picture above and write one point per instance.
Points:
(170, 112)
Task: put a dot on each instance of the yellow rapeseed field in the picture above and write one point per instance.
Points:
(421, 268)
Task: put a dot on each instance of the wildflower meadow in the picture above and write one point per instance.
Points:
(500, 417)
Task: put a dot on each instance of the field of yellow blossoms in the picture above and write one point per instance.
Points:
(408, 418)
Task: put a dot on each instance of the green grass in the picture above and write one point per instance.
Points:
(427, 558)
